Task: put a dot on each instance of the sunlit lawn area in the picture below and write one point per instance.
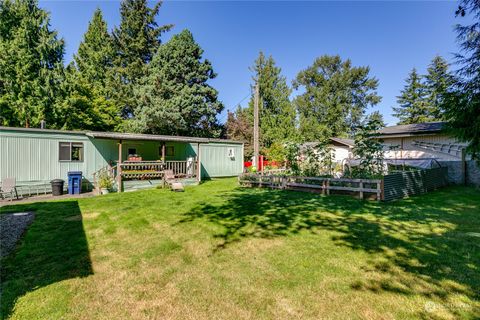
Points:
(217, 251)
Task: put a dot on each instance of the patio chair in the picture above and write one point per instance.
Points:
(9, 188)
(172, 181)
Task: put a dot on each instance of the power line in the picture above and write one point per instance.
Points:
(223, 117)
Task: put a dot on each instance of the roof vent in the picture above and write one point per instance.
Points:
(43, 124)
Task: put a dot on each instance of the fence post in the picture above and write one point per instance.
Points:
(328, 186)
(380, 191)
(360, 185)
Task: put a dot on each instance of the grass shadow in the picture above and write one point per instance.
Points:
(423, 245)
(53, 249)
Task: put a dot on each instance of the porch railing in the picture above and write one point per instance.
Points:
(182, 168)
(155, 169)
(143, 166)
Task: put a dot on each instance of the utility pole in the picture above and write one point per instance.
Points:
(255, 127)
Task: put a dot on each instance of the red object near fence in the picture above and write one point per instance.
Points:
(262, 163)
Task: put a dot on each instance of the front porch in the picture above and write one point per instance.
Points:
(132, 175)
(142, 163)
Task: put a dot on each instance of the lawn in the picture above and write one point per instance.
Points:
(218, 251)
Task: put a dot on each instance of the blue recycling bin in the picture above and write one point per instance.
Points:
(74, 182)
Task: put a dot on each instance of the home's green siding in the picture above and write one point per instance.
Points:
(216, 163)
(32, 156)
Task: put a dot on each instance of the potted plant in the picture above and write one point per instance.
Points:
(105, 183)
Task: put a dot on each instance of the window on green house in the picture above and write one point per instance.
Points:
(70, 151)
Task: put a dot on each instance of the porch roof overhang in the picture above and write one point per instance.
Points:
(123, 136)
(153, 137)
(144, 137)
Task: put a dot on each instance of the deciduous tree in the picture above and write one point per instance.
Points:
(239, 127)
(83, 106)
(336, 95)
(368, 150)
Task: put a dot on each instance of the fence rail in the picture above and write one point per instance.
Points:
(317, 184)
(391, 187)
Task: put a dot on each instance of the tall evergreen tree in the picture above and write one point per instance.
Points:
(94, 58)
(438, 82)
(376, 117)
(135, 42)
(277, 114)
(86, 103)
(174, 97)
(335, 99)
(414, 106)
(463, 104)
(31, 62)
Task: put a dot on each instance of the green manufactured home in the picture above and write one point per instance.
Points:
(36, 156)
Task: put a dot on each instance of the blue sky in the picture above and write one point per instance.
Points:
(390, 37)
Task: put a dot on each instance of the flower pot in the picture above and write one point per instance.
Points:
(104, 191)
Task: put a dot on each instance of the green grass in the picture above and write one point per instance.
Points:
(217, 251)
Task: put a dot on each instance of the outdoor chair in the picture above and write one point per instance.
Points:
(9, 188)
(172, 181)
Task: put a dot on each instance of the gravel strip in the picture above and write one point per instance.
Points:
(12, 227)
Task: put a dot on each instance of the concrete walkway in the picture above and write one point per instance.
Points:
(43, 198)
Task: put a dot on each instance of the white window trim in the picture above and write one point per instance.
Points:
(70, 151)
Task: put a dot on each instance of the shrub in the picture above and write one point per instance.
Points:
(105, 181)
(368, 150)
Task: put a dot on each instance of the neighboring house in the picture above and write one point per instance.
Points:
(342, 148)
(413, 143)
(420, 141)
(40, 155)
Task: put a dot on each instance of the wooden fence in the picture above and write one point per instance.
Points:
(362, 187)
(392, 186)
